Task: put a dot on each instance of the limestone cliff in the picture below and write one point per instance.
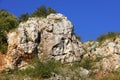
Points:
(52, 36)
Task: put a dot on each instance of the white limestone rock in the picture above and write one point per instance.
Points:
(52, 36)
(108, 51)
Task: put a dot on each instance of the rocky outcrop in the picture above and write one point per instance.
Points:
(108, 53)
(58, 40)
(52, 36)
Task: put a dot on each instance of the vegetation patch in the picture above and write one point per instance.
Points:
(39, 69)
(7, 22)
(110, 35)
(114, 75)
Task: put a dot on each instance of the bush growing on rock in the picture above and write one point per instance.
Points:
(43, 11)
(7, 22)
(109, 35)
(40, 69)
(23, 17)
(86, 63)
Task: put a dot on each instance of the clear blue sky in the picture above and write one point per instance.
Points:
(91, 18)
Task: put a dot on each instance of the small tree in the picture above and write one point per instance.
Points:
(50, 10)
(7, 22)
(24, 17)
(42, 11)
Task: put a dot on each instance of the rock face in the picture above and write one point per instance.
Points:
(52, 36)
(58, 40)
(108, 53)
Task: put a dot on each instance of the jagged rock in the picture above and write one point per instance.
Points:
(58, 40)
(52, 36)
(108, 51)
(110, 63)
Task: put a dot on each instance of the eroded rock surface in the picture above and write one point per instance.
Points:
(108, 53)
(52, 36)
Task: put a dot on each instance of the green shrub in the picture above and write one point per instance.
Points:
(23, 17)
(43, 11)
(109, 35)
(7, 22)
(3, 48)
(98, 58)
(86, 63)
(41, 69)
